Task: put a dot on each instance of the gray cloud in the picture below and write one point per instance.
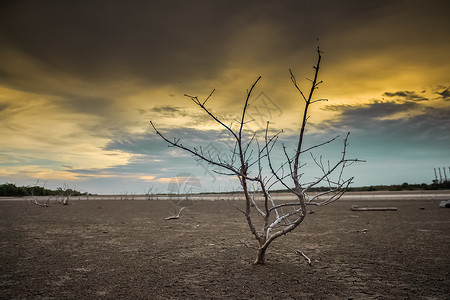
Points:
(445, 94)
(3, 106)
(396, 149)
(168, 110)
(373, 126)
(151, 144)
(138, 144)
(359, 114)
(406, 95)
(153, 156)
(425, 125)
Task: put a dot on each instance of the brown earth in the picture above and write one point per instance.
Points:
(126, 250)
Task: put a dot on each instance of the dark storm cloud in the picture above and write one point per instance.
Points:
(378, 109)
(406, 95)
(154, 39)
(166, 41)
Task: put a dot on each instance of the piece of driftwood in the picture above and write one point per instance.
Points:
(445, 204)
(356, 208)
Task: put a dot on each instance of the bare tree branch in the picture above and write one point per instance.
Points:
(31, 193)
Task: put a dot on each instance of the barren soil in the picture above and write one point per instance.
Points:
(126, 250)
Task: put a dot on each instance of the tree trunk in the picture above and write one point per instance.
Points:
(261, 257)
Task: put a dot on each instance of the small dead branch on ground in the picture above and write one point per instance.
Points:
(34, 200)
(356, 208)
(359, 231)
(300, 252)
(247, 246)
(174, 216)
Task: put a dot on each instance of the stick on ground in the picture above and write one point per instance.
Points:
(177, 216)
(356, 208)
(304, 255)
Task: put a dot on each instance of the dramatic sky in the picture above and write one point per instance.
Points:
(80, 81)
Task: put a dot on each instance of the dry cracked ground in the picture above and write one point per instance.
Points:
(126, 250)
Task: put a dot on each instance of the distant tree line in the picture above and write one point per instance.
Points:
(373, 188)
(399, 187)
(11, 190)
(395, 187)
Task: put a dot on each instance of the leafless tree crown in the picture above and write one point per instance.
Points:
(268, 218)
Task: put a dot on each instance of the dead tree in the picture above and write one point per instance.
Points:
(64, 194)
(30, 191)
(269, 219)
(151, 193)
